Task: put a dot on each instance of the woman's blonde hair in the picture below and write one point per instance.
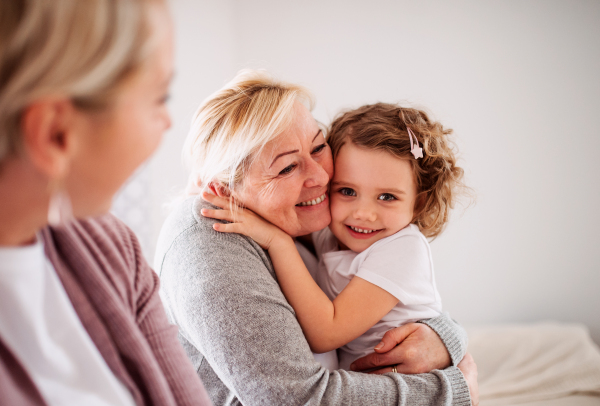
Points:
(383, 127)
(80, 49)
(231, 127)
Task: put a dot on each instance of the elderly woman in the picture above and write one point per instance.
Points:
(256, 141)
(82, 104)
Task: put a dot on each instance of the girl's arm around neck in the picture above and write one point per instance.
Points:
(327, 325)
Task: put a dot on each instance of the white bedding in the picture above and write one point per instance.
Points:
(539, 364)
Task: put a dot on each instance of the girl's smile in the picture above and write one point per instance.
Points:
(362, 233)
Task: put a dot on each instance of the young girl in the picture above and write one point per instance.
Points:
(394, 183)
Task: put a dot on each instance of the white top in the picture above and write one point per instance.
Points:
(400, 264)
(39, 325)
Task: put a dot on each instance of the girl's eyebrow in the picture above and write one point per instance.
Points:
(291, 152)
(341, 183)
(395, 191)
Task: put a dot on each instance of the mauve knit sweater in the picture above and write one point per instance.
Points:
(115, 294)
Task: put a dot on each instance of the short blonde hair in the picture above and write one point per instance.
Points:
(383, 126)
(232, 126)
(80, 49)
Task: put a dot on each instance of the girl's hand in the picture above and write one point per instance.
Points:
(243, 221)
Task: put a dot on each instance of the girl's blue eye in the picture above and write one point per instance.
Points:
(386, 197)
(287, 169)
(346, 191)
(319, 148)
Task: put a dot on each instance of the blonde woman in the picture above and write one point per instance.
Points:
(82, 104)
(256, 141)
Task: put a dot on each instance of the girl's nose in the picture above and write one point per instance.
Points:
(365, 213)
(316, 175)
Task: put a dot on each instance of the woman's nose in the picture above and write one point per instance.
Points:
(316, 175)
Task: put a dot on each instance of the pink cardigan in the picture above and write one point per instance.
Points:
(115, 295)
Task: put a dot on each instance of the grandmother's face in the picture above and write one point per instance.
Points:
(287, 183)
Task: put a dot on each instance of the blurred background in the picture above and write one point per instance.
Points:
(518, 81)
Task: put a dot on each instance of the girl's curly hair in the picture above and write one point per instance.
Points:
(383, 126)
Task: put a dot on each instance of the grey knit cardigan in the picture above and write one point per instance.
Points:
(243, 337)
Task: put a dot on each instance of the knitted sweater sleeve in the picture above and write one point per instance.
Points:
(152, 321)
(221, 290)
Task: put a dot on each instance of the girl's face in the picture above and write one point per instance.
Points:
(287, 183)
(373, 196)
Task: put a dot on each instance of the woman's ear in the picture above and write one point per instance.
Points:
(218, 189)
(47, 137)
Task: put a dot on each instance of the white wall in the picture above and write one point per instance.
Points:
(517, 80)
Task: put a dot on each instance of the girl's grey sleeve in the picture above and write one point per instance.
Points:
(223, 294)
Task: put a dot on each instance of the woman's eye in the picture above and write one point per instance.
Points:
(287, 169)
(319, 148)
(386, 197)
(346, 191)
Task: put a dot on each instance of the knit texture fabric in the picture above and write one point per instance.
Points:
(243, 337)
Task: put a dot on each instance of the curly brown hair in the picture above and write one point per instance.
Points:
(383, 126)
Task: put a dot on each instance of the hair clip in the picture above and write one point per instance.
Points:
(414, 148)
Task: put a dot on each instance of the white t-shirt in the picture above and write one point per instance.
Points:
(400, 264)
(40, 326)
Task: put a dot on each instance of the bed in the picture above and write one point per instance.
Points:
(542, 364)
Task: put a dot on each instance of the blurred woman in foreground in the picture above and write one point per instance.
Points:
(83, 87)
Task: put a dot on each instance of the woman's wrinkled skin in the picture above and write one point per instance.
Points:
(294, 168)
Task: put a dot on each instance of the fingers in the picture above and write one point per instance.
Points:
(409, 369)
(469, 370)
(382, 371)
(218, 201)
(217, 214)
(400, 369)
(394, 337)
(400, 346)
(467, 365)
(228, 228)
(376, 360)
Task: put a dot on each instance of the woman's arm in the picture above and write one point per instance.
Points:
(244, 338)
(327, 325)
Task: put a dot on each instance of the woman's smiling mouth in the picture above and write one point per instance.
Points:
(313, 202)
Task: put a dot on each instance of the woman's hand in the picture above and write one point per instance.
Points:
(469, 369)
(242, 221)
(413, 348)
